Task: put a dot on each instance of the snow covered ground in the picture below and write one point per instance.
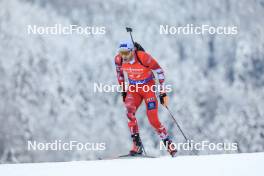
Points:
(213, 165)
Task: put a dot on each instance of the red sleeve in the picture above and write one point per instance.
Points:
(151, 63)
(119, 71)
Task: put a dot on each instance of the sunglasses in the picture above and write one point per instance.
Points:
(124, 53)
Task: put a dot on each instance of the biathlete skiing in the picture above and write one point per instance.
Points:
(139, 66)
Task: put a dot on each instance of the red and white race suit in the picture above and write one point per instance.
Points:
(141, 74)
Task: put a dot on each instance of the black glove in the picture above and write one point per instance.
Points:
(124, 94)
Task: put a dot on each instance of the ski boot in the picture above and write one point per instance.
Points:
(137, 148)
(170, 148)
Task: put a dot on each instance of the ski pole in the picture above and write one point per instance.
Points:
(145, 153)
(187, 140)
(177, 124)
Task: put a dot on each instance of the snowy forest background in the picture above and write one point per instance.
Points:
(46, 81)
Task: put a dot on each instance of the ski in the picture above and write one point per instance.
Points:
(128, 156)
(135, 156)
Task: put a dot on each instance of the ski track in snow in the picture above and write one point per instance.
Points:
(223, 165)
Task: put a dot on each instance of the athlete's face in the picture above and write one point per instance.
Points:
(126, 55)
